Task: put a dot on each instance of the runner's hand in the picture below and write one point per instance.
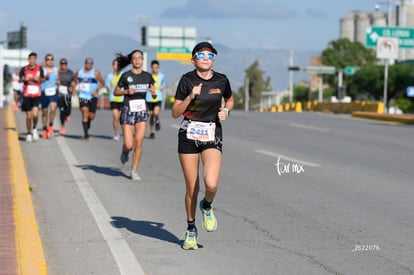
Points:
(130, 91)
(223, 114)
(196, 91)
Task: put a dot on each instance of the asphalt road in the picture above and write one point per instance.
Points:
(300, 193)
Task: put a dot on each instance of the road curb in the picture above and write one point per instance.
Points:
(406, 119)
(30, 255)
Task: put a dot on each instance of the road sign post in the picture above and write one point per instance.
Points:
(314, 69)
(375, 36)
(350, 70)
(173, 43)
(387, 48)
(405, 36)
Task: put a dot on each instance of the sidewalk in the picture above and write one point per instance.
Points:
(21, 250)
(8, 254)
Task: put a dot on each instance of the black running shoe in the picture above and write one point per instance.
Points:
(124, 156)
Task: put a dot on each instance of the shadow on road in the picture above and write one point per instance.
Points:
(22, 136)
(146, 228)
(90, 136)
(109, 171)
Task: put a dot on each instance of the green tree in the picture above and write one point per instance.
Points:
(300, 93)
(239, 99)
(401, 76)
(257, 85)
(368, 84)
(404, 104)
(343, 53)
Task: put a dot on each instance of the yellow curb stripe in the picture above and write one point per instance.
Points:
(384, 117)
(30, 256)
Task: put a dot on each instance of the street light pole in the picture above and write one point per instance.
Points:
(389, 12)
(246, 94)
(291, 88)
(143, 20)
(387, 61)
(385, 85)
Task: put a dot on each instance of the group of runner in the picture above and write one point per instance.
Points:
(39, 87)
(203, 97)
(52, 87)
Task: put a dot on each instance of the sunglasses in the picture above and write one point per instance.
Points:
(201, 55)
(88, 62)
(49, 59)
(63, 63)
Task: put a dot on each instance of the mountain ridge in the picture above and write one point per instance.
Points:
(232, 62)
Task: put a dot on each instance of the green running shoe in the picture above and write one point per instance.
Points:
(190, 241)
(209, 220)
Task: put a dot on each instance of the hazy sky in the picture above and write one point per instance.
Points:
(294, 24)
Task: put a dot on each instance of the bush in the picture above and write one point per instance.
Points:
(405, 104)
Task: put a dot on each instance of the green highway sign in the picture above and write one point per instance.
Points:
(173, 50)
(350, 70)
(404, 35)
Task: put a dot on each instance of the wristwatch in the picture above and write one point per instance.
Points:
(228, 111)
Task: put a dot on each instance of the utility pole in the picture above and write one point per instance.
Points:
(340, 94)
(246, 94)
(143, 20)
(291, 77)
(387, 61)
(320, 93)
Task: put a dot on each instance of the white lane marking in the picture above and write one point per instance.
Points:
(273, 154)
(176, 126)
(124, 257)
(309, 127)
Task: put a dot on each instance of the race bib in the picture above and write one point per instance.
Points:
(137, 105)
(50, 91)
(33, 89)
(84, 87)
(201, 131)
(63, 90)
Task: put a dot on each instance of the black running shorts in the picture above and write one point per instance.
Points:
(30, 102)
(189, 146)
(90, 103)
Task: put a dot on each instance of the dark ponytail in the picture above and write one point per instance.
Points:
(125, 60)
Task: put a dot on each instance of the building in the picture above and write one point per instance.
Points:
(355, 24)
